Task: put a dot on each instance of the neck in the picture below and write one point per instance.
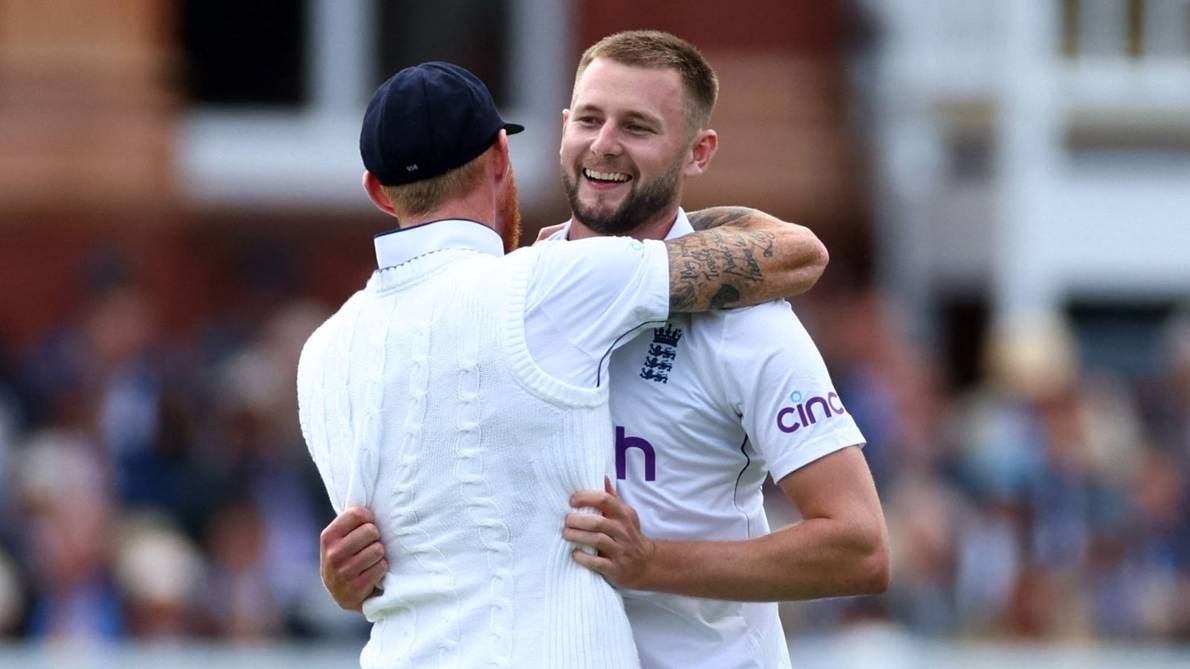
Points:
(478, 209)
(656, 227)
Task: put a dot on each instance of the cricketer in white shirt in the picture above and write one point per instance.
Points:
(704, 408)
(422, 399)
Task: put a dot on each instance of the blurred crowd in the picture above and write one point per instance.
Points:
(155, 484)
(1048, 500)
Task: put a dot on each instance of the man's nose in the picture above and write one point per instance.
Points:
(607, 141)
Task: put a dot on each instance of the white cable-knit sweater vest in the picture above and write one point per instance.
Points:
(420, 400)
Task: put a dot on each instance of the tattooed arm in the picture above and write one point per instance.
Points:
(741, 256)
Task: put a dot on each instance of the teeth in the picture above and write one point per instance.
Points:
(605, 176)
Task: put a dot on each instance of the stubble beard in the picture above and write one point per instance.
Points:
(644, 201)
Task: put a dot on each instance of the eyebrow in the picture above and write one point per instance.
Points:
(632, 115)
(640, 116)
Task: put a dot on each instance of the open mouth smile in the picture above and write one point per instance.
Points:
(606, 177)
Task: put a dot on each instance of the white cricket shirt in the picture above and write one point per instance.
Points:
(421, 399)
(704, 408)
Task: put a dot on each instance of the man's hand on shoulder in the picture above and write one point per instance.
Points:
(624, 553)
(351, 557)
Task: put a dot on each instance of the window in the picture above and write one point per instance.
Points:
(471, 34)
(1124, 337)
(244, 53)
(277, 89)
(1135, 28)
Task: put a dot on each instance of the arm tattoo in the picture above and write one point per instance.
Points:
(713, 217)
(711, 269)
(726, 296)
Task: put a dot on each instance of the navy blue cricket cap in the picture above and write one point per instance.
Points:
(426, 120)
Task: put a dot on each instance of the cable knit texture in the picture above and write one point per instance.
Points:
(419, 399)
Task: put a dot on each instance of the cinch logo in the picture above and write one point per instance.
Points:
(792, 419)
(623, 443)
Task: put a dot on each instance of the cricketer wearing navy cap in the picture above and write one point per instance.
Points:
(422, 138)
(426, 120)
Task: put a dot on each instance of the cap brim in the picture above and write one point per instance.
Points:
(513, 128)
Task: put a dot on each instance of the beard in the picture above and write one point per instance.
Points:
(644, 201)
(509, 214)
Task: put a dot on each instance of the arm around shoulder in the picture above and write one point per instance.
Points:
(739, 257)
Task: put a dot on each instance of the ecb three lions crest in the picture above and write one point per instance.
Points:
(659, 361)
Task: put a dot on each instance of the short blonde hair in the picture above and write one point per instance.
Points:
(656, 49)
(422, 197)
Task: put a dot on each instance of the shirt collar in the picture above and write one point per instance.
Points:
(680, 227)
(399, 246)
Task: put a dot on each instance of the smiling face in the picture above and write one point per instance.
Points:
(626, 143)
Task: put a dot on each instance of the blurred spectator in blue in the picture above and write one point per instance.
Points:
(160, 574)
(238, 594)
(65, 494)
(12, 597)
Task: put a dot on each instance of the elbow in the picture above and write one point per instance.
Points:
(819, 258)
(876, 573)
(808, 262)
(822, 257)
(866, 570)
(874, 569)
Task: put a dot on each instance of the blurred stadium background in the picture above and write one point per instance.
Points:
(1004, 188)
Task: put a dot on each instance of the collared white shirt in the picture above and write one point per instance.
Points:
(399, 246)
(704, 408)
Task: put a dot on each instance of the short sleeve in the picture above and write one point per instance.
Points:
(780, 386)
(594, 292)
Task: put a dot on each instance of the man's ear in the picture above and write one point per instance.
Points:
(706, 143)
(501, 157)
(376, 194)
(565, 119)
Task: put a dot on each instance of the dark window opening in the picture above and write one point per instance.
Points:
(244, 53)
(964, 322)
(1125, 337)
(465, 32)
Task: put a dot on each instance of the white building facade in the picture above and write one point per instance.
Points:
(1033, 151)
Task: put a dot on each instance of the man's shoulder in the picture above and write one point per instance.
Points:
(706, 328)
(325, 330)
(605, 243)
(744, 320)
(773, 308)
(756, 331)
(596, 259)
